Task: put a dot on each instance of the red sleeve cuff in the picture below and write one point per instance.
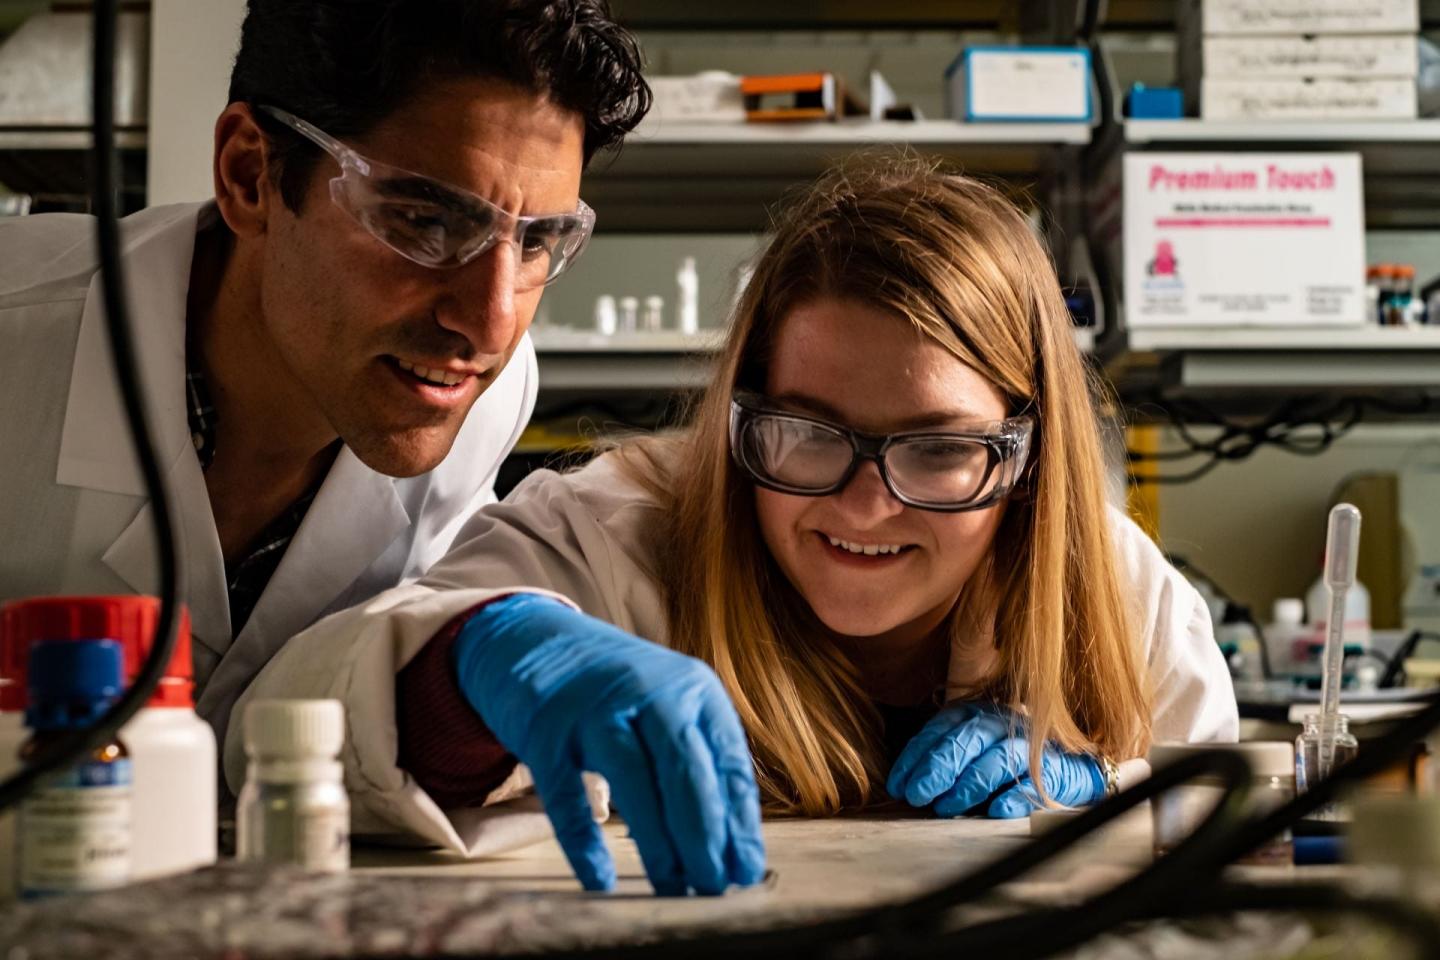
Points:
(444, 744)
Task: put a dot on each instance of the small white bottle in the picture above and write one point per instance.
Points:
(293, 808)
(689, 282)
(605, 315)
(654, 317)
(1287, 627)
(629, 314)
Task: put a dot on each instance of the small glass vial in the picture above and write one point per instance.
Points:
(1307, 758)
(75, 828)
(1178, 811)
(293, 808)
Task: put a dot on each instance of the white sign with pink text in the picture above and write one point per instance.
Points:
(1244, 239)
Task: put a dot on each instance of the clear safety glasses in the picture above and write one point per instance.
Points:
(809, 457)
(438, 225)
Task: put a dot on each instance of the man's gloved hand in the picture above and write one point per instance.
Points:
(565, 692)
(969, 750)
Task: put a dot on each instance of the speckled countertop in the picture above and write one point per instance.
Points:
(396, 903)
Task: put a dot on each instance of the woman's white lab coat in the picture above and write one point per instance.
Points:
(582, 537)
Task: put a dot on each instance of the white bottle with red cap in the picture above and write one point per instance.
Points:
(172, 750)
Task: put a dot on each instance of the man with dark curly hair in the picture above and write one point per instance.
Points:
(335, 345)
(335, 348)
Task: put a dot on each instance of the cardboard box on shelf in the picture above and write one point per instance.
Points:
(1352, 57)
(1020, 84)
(712, 96)
(1301, 16)
(1243, 239)
(1327, 99)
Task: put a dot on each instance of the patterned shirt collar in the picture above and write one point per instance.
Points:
(247, 575)
(201, 412)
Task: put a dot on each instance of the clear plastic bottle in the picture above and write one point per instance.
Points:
(75, 827)
(293, 808)
(1287, 627)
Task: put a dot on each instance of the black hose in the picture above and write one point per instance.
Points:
(1395, 667)
(72, 747)
(910, 927)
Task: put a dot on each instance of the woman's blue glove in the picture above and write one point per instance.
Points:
(970, 750)
(565, 692)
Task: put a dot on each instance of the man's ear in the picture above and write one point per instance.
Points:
(244, 192)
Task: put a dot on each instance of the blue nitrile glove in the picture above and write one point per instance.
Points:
(565, 692)
(970, 750)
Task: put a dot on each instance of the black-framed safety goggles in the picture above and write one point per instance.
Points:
(806, 456)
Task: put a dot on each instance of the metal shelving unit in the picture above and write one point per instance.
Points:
(688, 177)
(1249, 369)
(577, 362)
(1332, 133)
(1260, 364)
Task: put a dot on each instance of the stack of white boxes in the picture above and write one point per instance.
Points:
(1299, 59)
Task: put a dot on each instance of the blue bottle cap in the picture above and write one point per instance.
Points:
(72, 682)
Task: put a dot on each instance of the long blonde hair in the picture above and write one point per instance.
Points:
(958, 261)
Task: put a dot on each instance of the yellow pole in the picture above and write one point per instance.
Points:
(1143, 500)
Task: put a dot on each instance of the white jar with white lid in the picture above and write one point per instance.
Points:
(293, 808)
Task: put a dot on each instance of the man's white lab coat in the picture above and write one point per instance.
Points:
(73, 515)
(584, 537)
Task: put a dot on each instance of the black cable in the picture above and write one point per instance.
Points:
(1283, 429)
(1169, 877)
(887, 931)
(71, 747)
(1201, 859)
(1395, 667)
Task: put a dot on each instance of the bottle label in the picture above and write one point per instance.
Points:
(74, 830)
(277, 825)
(323, 841)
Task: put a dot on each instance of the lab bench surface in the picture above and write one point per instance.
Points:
(396, 902)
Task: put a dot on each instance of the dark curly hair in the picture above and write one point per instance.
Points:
(345, 65)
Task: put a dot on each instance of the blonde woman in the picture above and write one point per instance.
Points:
(886, 533)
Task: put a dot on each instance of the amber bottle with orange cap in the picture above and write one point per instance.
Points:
(172, 750)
